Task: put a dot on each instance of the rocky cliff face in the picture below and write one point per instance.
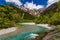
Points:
(35, 12)
(52, 7)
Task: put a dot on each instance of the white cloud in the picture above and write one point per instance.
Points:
(51, 2)
(31, 5)
(17, 2)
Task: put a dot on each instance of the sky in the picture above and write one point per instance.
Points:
(31, 4)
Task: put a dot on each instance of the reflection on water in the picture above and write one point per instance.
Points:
(27, 32)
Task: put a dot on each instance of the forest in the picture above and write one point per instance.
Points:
(10, 16)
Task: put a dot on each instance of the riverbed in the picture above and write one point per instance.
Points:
(24, 32)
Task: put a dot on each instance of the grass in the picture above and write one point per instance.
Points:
(58, 26)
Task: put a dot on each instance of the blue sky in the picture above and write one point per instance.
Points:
(37, 2)
(2, 2)
(31, 4)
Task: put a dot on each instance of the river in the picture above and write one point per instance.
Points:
(25, 32)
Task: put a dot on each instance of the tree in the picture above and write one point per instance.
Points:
(11, 15)
(58, 5)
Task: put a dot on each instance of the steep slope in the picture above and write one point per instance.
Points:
(35, 12)
(49, 16)
(52, 7)
(11, 15)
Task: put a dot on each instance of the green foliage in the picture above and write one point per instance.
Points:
(27, 16)
(50, 17)
(27, 20)
(58, 26)
(10, 16)
(58, 5)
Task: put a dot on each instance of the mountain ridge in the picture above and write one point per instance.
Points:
(35, 12)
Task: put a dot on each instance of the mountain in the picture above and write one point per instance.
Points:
(35, 12)
(49, 16)
(11, 15)
(15, 9)
(52, 7)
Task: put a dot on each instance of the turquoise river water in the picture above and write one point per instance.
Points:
(26, 32)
